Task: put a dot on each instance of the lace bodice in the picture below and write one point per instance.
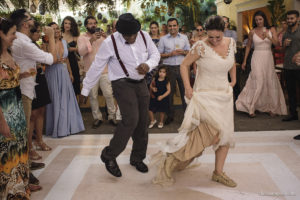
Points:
(212, 69)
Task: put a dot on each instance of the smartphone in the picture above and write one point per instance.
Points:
(97, 29)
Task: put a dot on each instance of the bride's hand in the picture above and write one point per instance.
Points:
(189, 93)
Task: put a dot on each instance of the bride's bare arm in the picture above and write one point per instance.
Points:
(184, 71)
(232, 73)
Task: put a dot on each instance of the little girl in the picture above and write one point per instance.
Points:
(159, 102)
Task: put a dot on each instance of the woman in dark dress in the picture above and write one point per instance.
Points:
(70, 33)
(38, 104)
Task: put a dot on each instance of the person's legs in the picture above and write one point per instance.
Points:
(181, 87)
(39, 125)
(27, 105)
(140, 134)
(124, 92)
(218, 174)
(106, 88)
(93, 97)
(33, 155)
(172, 77)
(221, 154)
(161, 117)
(151, 115)
(291, 88)
(33, 118)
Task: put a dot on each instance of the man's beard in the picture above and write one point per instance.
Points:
(91, 30)
(292, 24)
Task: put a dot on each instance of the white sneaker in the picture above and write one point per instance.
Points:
(160, 125)
(152, 123)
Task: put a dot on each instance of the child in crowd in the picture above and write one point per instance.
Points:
(159, 91)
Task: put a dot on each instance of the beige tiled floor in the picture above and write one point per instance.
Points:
(266, 165)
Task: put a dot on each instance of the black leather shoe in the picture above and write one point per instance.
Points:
(33, 180)
(96, 123)
(169, 120)
(297, 137)
(140, 166)
(290, 118)
(112, 166)
(36, 165)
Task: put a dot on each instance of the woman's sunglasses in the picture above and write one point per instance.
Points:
(199, 29)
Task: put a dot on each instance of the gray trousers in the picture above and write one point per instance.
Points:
(133, 100)
(174, 75)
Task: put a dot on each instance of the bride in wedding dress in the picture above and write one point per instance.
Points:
(208, 119)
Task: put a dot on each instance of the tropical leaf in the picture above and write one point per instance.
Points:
(20, 3)
(3, 6)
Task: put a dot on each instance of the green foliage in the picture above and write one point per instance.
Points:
(277, 10)
(3, 6)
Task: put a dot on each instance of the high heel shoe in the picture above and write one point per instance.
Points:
(42, 146)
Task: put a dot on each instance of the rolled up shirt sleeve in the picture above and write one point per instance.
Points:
(84, 45)
(93, 74)
(160, 47)
(186, 44)
(154, 55)
(31, 51)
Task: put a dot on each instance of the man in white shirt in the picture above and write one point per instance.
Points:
(138, 55)
(26, 54)
(88, 45)
(173, 47)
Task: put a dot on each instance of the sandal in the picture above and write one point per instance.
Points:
(33, 155)
(42, 146)
(34, 188)
(225, 180)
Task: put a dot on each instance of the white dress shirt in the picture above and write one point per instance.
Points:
(132, 56)
(26, 54)
(168, 43)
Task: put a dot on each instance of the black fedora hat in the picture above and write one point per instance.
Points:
(127, 24)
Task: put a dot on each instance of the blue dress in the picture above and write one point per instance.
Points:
(63, 115)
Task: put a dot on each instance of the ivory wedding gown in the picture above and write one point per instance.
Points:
(209, 113)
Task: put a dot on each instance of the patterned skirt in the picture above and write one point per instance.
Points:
(14, 168)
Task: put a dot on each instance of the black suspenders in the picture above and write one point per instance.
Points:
(117, 52)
